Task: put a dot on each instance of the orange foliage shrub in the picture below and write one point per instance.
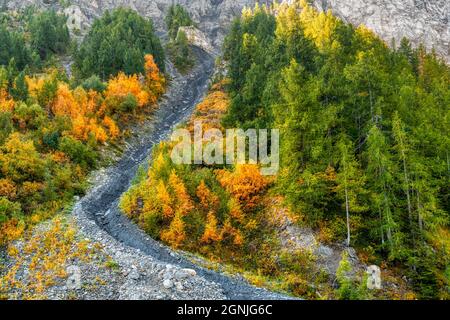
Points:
(211, 109)
(208, 200)
(8, 189)
(59, 157)
(235, 209)
(30, 187)
(123, 85)
(83, 128)
(11, 230)
(6, 102)
(246, 184)
(81, 107)
(231, 234)
(65, 103)
(112, 127)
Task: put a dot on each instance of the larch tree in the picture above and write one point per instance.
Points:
(379, 173)
(350, 180)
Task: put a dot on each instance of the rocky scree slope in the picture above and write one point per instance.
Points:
(100, 220)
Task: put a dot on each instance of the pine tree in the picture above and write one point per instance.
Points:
(350, 180)
(402, 148)
(379, 173)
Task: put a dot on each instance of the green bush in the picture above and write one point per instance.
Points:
(78, 152)
(128, 104)
(94, 83)
(348, 288)
(9, 209)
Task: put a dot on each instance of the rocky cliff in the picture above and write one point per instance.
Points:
(425, 21)
(422, 21)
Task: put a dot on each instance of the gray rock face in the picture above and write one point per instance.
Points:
(424, 21)
(197, 38)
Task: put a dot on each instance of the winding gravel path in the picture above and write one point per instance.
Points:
(150, 262)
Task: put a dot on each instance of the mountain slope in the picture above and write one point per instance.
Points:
(422, 21)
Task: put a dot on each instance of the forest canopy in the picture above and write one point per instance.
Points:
(364, 131)
(31, 38)
(118, 41)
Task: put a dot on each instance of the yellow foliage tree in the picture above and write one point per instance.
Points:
(211, 234)
(155, 82)
(164, 200)
(175, 234)
(208, 200)
(318, 26)
(184, 203)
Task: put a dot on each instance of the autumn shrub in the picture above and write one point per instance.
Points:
(20, 161)
(30, 117)
(196, 207)
(52, 130)
(245, 183)
(122, 86)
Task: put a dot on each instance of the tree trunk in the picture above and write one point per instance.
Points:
(408, 198)
(419, 207)
(348, 216)
(381, 224)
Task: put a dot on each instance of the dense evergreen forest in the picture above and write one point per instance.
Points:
(40, 35)
(118, 41)
(365, 132)
(364, 154)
